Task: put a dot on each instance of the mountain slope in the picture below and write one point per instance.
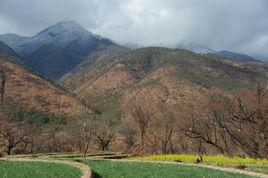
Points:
(95, 61)
(200, 49)
(261, 58)
(173, 77)
(196, 48)
(14, 41)
(57, 50)
(25, 90)
(6, 50)
(30, 91)
(235, 56)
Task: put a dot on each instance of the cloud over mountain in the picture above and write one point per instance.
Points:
(239, 25)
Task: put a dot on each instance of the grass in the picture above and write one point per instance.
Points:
(216, 160)
(258, 169)
(13, 169)
(249, 164)
(110, 169)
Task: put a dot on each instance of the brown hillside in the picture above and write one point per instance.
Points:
(175, 78)
(33, 92)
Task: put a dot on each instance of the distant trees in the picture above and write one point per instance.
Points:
(236, 124)
(227, 124)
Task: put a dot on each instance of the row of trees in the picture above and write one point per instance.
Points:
(230, 125)
(236, 125)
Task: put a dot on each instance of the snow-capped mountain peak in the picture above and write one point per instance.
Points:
(63, 28)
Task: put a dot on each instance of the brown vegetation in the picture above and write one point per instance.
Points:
(232, 126)
(143, 103)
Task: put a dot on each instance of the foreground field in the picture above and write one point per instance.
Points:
(13, 169)
(111, 169)
(107, 166)
(248, 164)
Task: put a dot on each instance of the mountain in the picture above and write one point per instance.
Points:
(261, 57)
(27, 92)
(58, 49)
(200, 49)
(99, 59)
(173, 77)
(235, 56)
(14, 41)
(196, 48)
(6, 50)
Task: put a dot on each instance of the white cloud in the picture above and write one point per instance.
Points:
(238, 25)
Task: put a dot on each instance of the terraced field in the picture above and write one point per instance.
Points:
(14, 169)
(111, 169)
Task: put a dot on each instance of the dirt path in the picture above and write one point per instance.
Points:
(225, 169)
(86, 170)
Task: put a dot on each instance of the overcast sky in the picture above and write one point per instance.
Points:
(237, 25)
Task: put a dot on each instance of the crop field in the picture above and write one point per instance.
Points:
(13, 169)
(129, 168)
(249, 164)
(111, 169)
(216, 160)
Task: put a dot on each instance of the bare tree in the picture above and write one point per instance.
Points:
(106, 130)
(248, 116)
(202, 127)
(233, 124)
(128, 132)
(12, 136)
(168, 127)
(104, 139)
(34, 141)
(141, 115)
(84, 128)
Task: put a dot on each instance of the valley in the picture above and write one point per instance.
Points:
(67, 90)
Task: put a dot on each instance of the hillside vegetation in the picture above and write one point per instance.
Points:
(33, 92)
(175, 77)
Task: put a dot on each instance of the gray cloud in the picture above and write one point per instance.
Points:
(238, 25)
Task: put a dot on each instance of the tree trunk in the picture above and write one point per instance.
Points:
(86, 149)
(142, 140)
(9, 150)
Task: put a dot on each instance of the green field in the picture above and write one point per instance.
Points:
(13, 169)
(111, 169)
(249, 164)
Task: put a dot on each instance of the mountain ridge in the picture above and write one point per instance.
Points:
(58, 49)
(161, 74)
(25, 91)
